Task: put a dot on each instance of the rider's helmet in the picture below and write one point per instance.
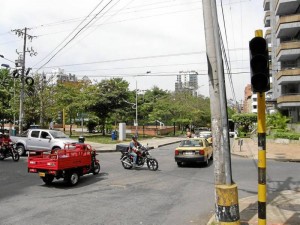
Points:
(6, 135)
(134, 137)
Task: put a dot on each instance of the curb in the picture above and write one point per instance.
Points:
(269, 158)
(168, 144)
(152, 147)
(111, 150)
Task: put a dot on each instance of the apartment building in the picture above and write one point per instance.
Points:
(187, 81)
(282, 22)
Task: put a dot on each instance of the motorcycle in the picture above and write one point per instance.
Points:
(9, 150)
(143, 156)
(95, 167)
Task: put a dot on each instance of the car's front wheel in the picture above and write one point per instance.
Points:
(96, 169)
(20, 149)
(55, 149)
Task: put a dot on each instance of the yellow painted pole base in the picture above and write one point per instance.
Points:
(227, 211)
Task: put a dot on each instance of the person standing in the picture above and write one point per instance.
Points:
(51, 125)
(188, 133)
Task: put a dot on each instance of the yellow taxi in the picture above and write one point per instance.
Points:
(194, 150)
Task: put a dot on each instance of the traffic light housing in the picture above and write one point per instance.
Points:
(259, 64)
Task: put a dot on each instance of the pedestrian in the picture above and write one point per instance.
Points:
(188, 133)
(51, 125)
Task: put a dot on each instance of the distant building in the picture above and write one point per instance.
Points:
(187, 81)
(59, 76)
(250, 101)
(247, 106)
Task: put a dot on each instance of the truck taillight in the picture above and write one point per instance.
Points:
(32, 162)
(52, 172)
(176, 152)
(50, 164)
(32, 170)
(201, 152)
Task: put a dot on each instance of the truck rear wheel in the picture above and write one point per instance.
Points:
(73, 178)
(48, 179)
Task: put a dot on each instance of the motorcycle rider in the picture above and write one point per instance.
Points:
(4, 142)
(133, 149)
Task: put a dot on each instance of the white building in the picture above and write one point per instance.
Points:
(282, 20)
(187, 81)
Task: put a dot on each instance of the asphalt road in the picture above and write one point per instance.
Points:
(169, 196)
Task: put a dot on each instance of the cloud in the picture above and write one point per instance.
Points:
(131, 29)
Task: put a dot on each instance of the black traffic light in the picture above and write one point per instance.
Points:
(259, 64)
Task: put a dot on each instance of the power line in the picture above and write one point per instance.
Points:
(129, 59)
(161, 74)
(75, 35)
(228, 64)
(133, 7)
(70, 33)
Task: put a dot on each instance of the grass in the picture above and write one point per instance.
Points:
(106, 139)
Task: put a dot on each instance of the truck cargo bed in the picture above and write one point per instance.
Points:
(61, 160)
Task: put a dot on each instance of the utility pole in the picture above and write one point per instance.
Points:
(227, 207)
(23, 33)
(136, 109)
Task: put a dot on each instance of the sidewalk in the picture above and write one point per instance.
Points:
(275, 151)
(152, 143)
(282, 207)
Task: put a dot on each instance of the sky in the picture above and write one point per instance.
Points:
(145, 42)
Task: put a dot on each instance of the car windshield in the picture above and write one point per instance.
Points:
(191, 143)
(58, 134)
(23, 134)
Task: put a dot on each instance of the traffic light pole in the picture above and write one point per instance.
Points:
(226, 194)
(261, 134)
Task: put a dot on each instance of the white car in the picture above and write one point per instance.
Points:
(233, 134)
(41, 140)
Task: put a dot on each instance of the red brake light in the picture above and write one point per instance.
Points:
(176, 152)
(201, 152)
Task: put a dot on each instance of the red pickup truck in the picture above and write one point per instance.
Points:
(70, 163)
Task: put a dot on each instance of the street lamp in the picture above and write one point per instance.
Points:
(2, 56)
(136, 105)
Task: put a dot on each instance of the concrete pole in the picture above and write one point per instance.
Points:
(21, 111)
(227, 209)
(136, 109)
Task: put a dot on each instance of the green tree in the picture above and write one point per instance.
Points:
(245, 121)
(183, 109)
(72, 97)
(6, 96)
(148, 102)
(277, 120)
(106, 97)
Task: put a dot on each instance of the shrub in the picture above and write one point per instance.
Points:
(286, 135)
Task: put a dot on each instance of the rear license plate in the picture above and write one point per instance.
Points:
(42, 174)
(189, 153)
